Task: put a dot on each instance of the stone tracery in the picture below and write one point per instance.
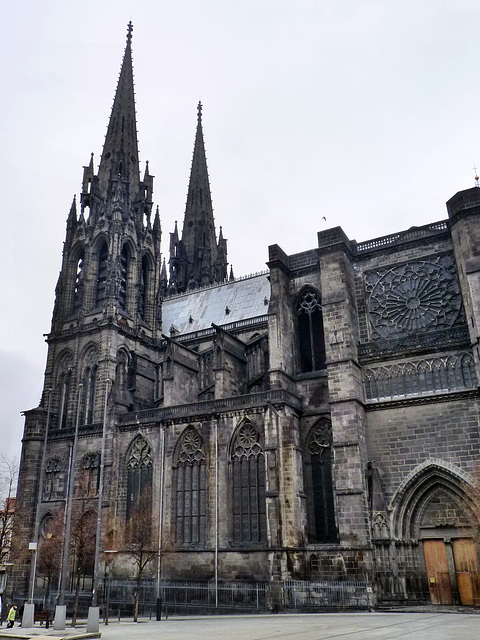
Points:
(413, 297)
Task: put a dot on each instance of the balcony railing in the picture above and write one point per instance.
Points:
(262, 398)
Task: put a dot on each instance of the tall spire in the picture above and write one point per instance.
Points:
(120, 151)
(198, 233)
(194, 260)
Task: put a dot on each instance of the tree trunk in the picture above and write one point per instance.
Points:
(75, 603)
(137, 597)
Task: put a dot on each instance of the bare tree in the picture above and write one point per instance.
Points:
(139, 541)
(8, 488)
(82, 545)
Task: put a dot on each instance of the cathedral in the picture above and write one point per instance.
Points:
(316, 422)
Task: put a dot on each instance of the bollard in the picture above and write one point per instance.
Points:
(28, 616)
(93, 622)
(60, 617)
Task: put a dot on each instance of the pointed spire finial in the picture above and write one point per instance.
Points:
(477, 178)
(129, 32)
(199, 111)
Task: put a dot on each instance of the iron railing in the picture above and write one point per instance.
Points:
(318, 596)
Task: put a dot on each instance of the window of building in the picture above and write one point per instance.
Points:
(205, 370)
(190, 489)
(143, 290)
(52, 486)
(322, 506)
(78, 288)
(90, 474)
(248, 485)
(122, 290)
(139, 480)
(89, 395)
(311, 340)
(102, 274)
(64, 384)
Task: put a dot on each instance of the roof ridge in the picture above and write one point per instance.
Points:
(216, 285)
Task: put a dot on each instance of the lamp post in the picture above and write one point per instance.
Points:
(29, 610)
(100, 498)
(93, 611)
(61, 610)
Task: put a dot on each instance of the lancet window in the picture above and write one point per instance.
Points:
(124, 265)
(90, 474)
(311, 340)
(64, 389)
(102, 274)
(190, 489)
(78, 288)
(139, 480)
(52, 485)
(143, 290)
(322, 507)
(247, 462)
(89, 388)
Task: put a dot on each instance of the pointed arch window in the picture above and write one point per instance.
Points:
(190, 489)
(322, 506)
(143, 291)
(52, 485)
(247, 462)
(311, 339)
(78, 288)
(139, 479)
(65, 366)
(102, 274)
(90, 476)
(122, 289)
(89, 387)
(90, 394)
(65, 380)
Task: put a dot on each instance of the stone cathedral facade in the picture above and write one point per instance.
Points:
(319, 421)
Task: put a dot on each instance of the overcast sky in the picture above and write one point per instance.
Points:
(365, 113)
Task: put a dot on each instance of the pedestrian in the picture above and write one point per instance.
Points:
(20, 613)
(11, 616)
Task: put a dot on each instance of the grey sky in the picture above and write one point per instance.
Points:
(363, 112)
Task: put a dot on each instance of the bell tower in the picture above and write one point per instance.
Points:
(111, 258)
(106, 316)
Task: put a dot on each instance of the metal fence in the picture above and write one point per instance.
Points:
(321, 596)
(178, 596)
(117, 597)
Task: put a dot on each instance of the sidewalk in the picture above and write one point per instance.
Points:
(323, 626)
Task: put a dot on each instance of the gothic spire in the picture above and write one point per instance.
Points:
(194, 260)
(120, 150)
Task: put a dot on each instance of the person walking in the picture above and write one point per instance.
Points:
(20, 613)
(11, 616)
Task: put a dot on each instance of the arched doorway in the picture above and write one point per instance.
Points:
(434, 506)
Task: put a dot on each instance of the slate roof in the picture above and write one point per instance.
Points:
(194, 311)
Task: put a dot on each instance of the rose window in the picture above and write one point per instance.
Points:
(419, 296)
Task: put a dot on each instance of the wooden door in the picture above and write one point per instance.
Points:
(437, 571)
(466, 569)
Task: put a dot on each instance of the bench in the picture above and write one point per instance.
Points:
(42, 616)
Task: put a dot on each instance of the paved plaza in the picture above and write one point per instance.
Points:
(326, 626)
